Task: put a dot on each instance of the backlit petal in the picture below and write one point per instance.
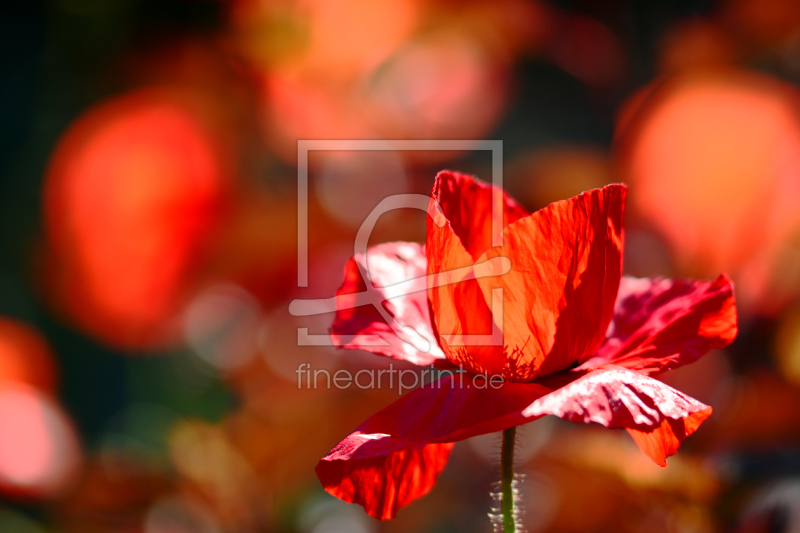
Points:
(396, 280)
(394, 457)
(661, 324)
(381, 481)
(466, 203)
(662, 441)
(558, 299)
(657, 416)
(458, 232)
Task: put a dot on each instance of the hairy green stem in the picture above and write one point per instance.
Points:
(507, 479)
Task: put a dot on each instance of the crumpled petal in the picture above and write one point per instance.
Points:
(395, 456)
(382, 482)
(364, 469)
(466, 203)
(459, 229)
(657, 416)
(661, 324)
(558, 299)
(662, 441)
(396, 275)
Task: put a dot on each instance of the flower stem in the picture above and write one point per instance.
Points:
(507, 479)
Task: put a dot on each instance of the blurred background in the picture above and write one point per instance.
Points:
(148, 246)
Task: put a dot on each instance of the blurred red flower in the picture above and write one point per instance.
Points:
(133, 192)
(579, 341)
(707, 153)
(26, 356)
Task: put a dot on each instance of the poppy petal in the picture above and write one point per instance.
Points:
(661, 324)
(392, 276)
(394, 457)
(381, 482)
(466, 203)
(657, 416)
(559, 297)
(660, 442)
(459, 231)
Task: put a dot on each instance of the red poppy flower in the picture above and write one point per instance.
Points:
(579, 341)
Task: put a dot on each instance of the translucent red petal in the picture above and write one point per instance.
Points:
(359, 325)
(557, 299)
(394, 457)
(661, 324)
